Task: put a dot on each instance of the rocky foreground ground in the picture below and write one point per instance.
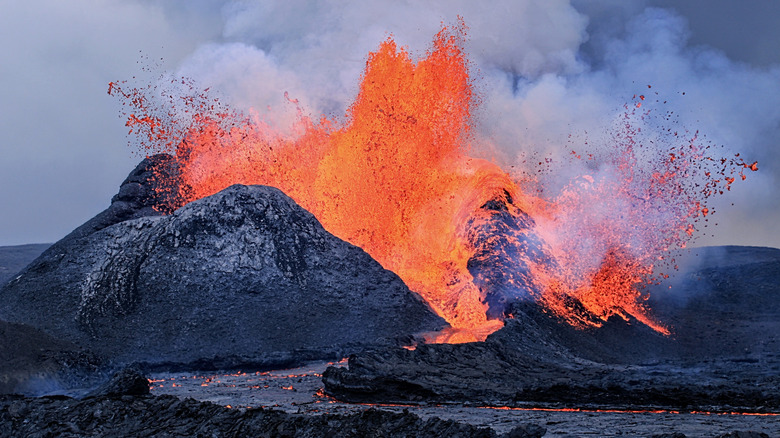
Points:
(172, 417)
(123, 407)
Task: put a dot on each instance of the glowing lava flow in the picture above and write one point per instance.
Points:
(395, 178)
(617, 226)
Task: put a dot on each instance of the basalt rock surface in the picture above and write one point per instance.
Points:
(502, 372)
(723, 354)
(171, 417)
(504, 243)
(32, 362)
(127, 381)
(243, 276)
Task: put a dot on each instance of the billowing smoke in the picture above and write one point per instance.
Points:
(551, 78)
(316, 51)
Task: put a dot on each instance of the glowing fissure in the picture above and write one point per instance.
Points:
(395, 178)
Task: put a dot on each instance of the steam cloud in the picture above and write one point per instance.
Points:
(545, 70)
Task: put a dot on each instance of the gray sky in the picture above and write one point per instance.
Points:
(550, 69)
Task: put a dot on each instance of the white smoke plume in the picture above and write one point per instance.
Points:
(546, 70)
(551, 77)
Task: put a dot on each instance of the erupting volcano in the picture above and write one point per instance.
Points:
(398, 176)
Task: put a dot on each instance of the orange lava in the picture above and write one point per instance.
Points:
(395, 177)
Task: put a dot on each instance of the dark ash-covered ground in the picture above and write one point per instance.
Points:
(290, 403)
(123, 407)
(172, 417)
(299, 391)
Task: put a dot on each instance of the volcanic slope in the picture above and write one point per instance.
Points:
(723, 354)
(243, 276)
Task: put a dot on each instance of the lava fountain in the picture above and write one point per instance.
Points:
(396, 178)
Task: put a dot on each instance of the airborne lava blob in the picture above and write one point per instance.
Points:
(395, 177)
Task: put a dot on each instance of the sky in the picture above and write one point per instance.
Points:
(547, 70)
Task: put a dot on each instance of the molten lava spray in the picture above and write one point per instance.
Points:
(395, 178)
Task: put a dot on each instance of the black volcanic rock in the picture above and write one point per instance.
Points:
(743, 434)
(32, 362)
(170, 417)
(521, 366)
(489, 371)
(723, 354)
(504, 243)
(527, 430)
(244, 274)
(127, 381)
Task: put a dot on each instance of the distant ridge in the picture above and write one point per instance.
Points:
(14, 258)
